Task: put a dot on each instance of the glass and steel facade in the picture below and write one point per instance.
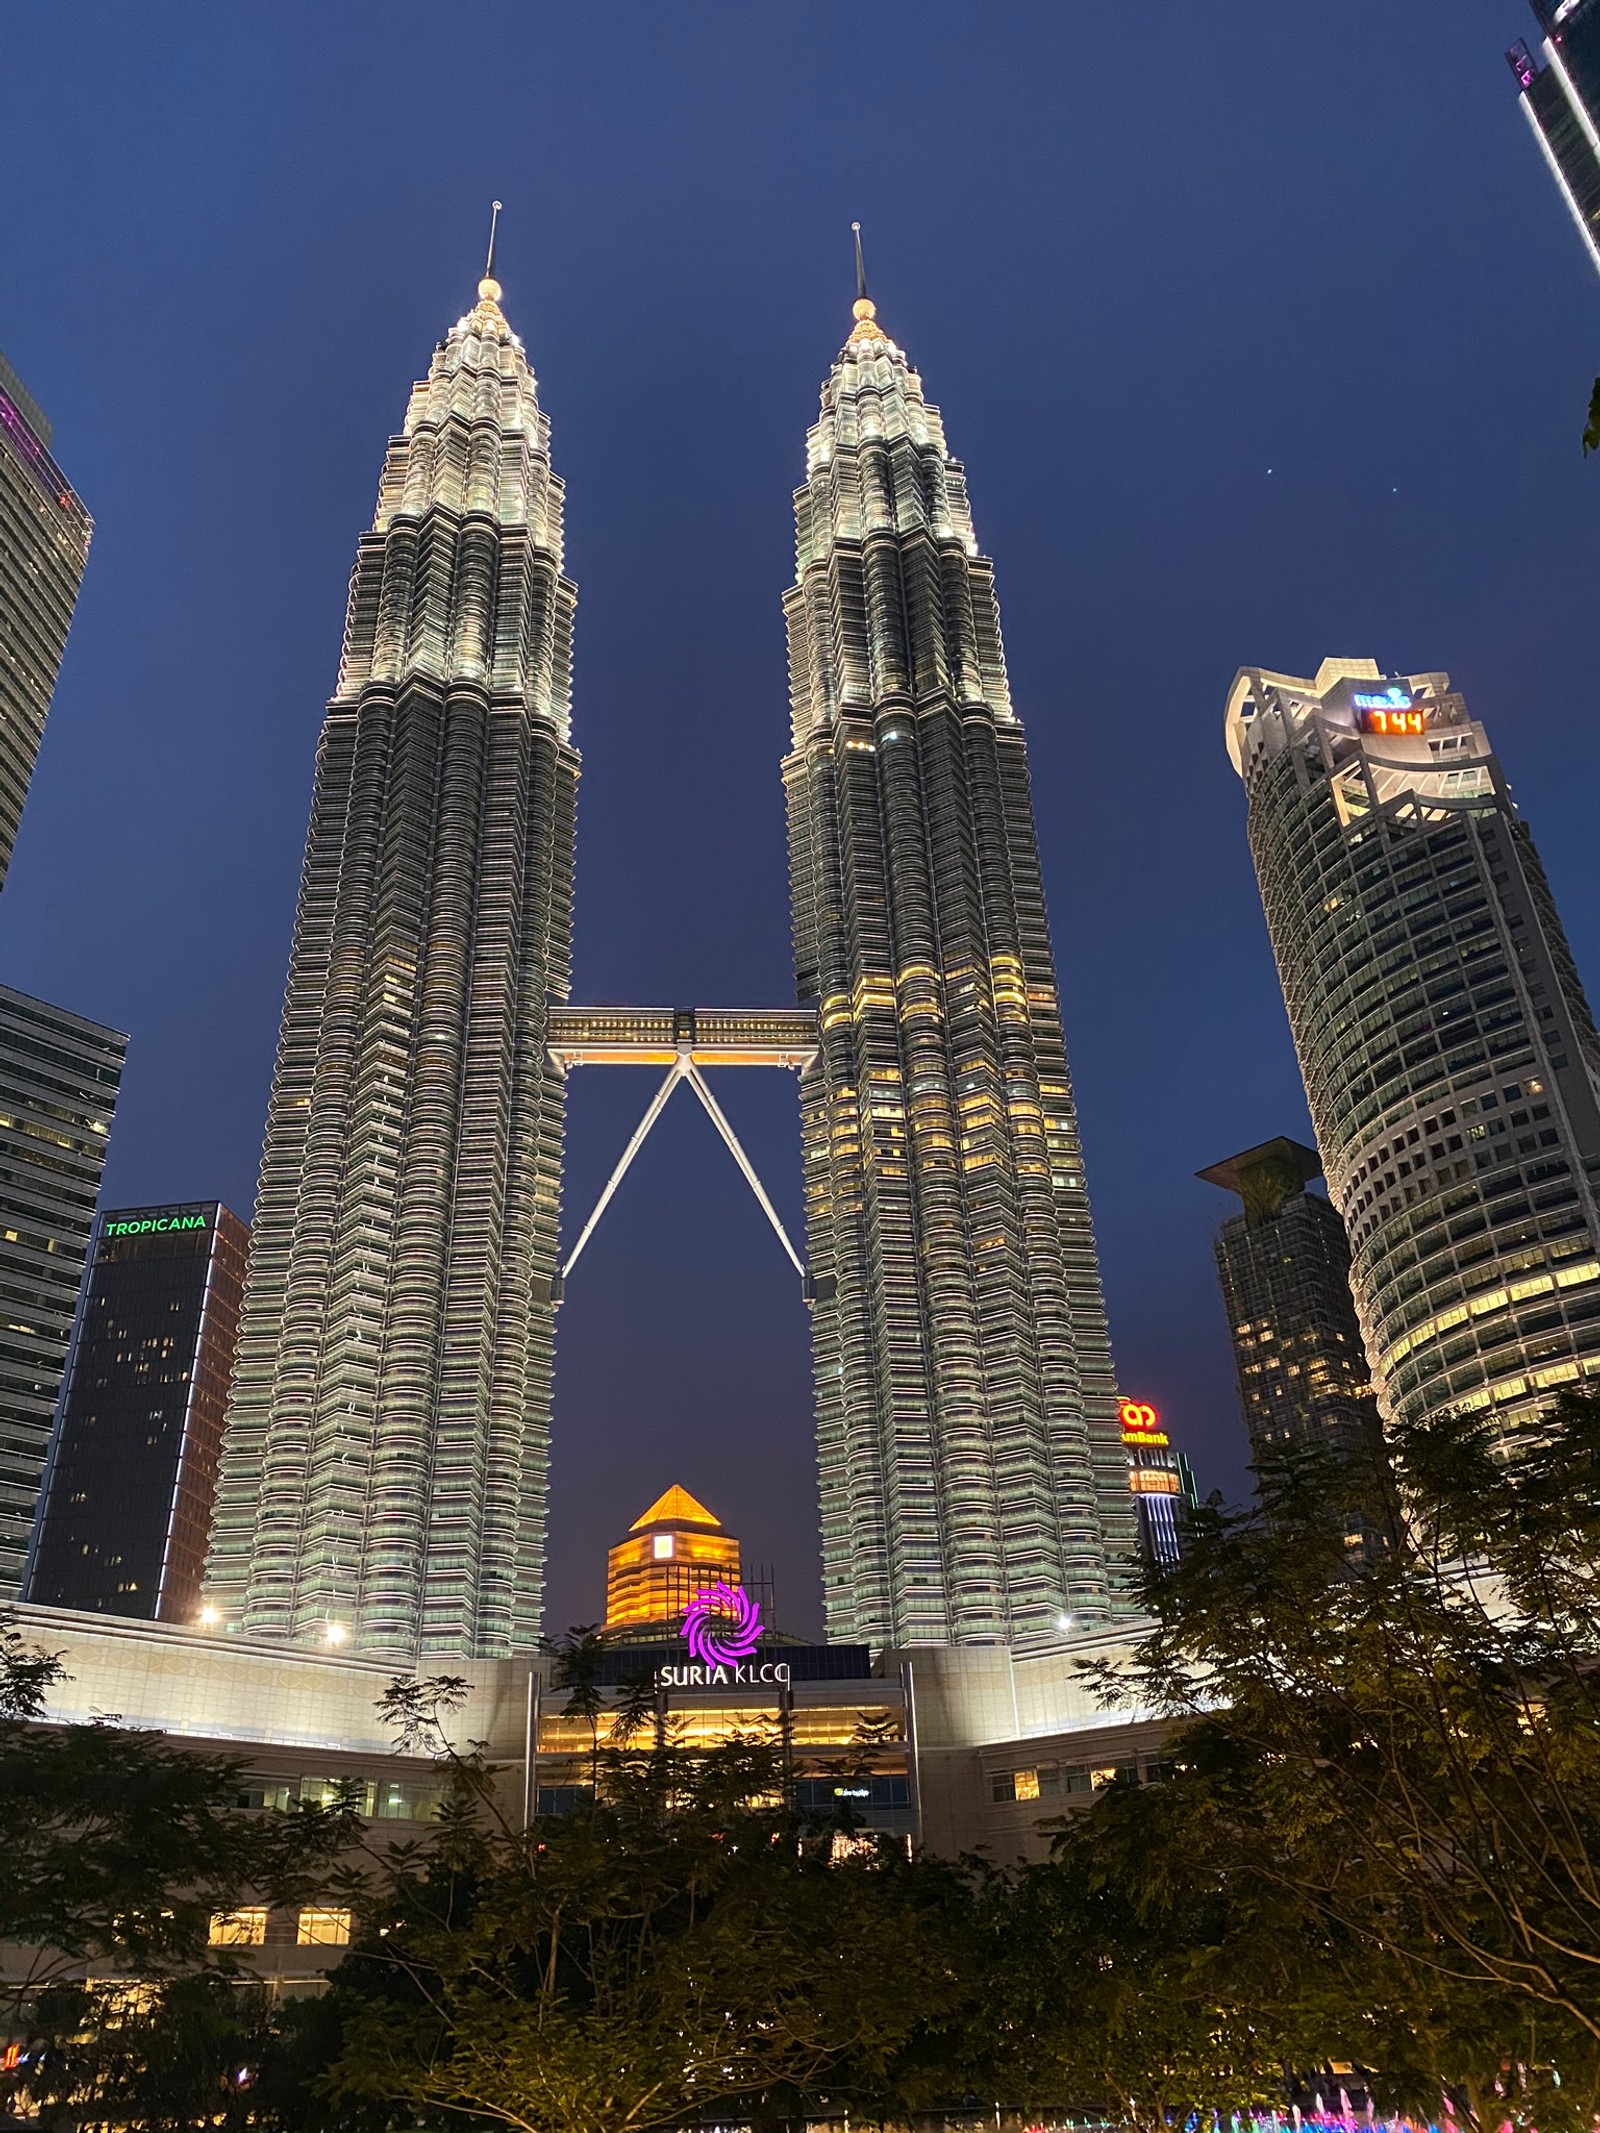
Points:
(973, 1482)
(1449, 1055)
(132, 1478)
(1284, 1266)
(59, 1077)
(44, 544)
(844, 1747)
(1561, 101)
(384, 1473)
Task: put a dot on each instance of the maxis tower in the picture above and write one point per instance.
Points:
(974, 1486)
(384, 1475)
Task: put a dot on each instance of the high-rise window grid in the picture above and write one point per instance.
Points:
(1561, 101)
(59, 1077)
(974, 1487)
(1433, 999)
(44, 544)
(133, 1469)
(385, 1471)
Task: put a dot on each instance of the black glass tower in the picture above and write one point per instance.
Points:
(127, 1504)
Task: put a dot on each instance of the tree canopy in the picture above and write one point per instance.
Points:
(1381, 1839)
(119, 1849)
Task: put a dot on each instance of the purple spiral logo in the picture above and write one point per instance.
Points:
(721, 1625)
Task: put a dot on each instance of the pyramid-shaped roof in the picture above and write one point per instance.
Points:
(676, 1508)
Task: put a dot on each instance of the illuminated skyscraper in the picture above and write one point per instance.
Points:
(1561, 100)
(974, 1486)
(1304, 1382)
(384, 1473)
(1449, 1055)
(44, 543)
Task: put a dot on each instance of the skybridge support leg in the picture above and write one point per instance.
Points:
(677, 1072)
(683, 1068)
(697, 1082)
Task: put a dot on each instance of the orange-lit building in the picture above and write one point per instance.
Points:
(674, 1549)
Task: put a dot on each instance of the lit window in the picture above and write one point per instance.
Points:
(1027, 1785)
(239, 1929)
(323, 1929)
(663, 1547)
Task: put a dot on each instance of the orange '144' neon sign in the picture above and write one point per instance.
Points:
(1393, 721)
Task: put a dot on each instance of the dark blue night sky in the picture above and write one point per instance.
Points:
(1262, 331)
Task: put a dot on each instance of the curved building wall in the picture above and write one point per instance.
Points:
(1449, 1056)
(384, 1473)
(973, 1482)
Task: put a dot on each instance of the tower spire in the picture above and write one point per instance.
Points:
(489, 288)
(960, 1344)
(864, 309)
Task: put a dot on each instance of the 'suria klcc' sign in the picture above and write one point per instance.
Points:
(722, 1628)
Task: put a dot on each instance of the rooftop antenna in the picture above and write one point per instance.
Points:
(489, 288)
(864, 310)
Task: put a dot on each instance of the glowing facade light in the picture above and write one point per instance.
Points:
(1140, 1423)
(1560, 98)
(1450, 1056)
(1158, 1478)
(671, 1550)
(404, 1255)
(957, 1303)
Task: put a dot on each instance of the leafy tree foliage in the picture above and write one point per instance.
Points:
(677, 1947)
(1381, 1841)
(119, 1848)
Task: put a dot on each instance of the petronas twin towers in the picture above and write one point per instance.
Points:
(385, 1471)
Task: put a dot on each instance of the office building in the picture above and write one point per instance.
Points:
(127, 1504)
(672, 1550)
(44, 544)
(59, 1076)
(974, 1488)
(1160, 1480)
(384, 1471)
(1560, 87)
(1449, 1056)
(1284, 1266)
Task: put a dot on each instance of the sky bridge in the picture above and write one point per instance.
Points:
(684, 1040)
